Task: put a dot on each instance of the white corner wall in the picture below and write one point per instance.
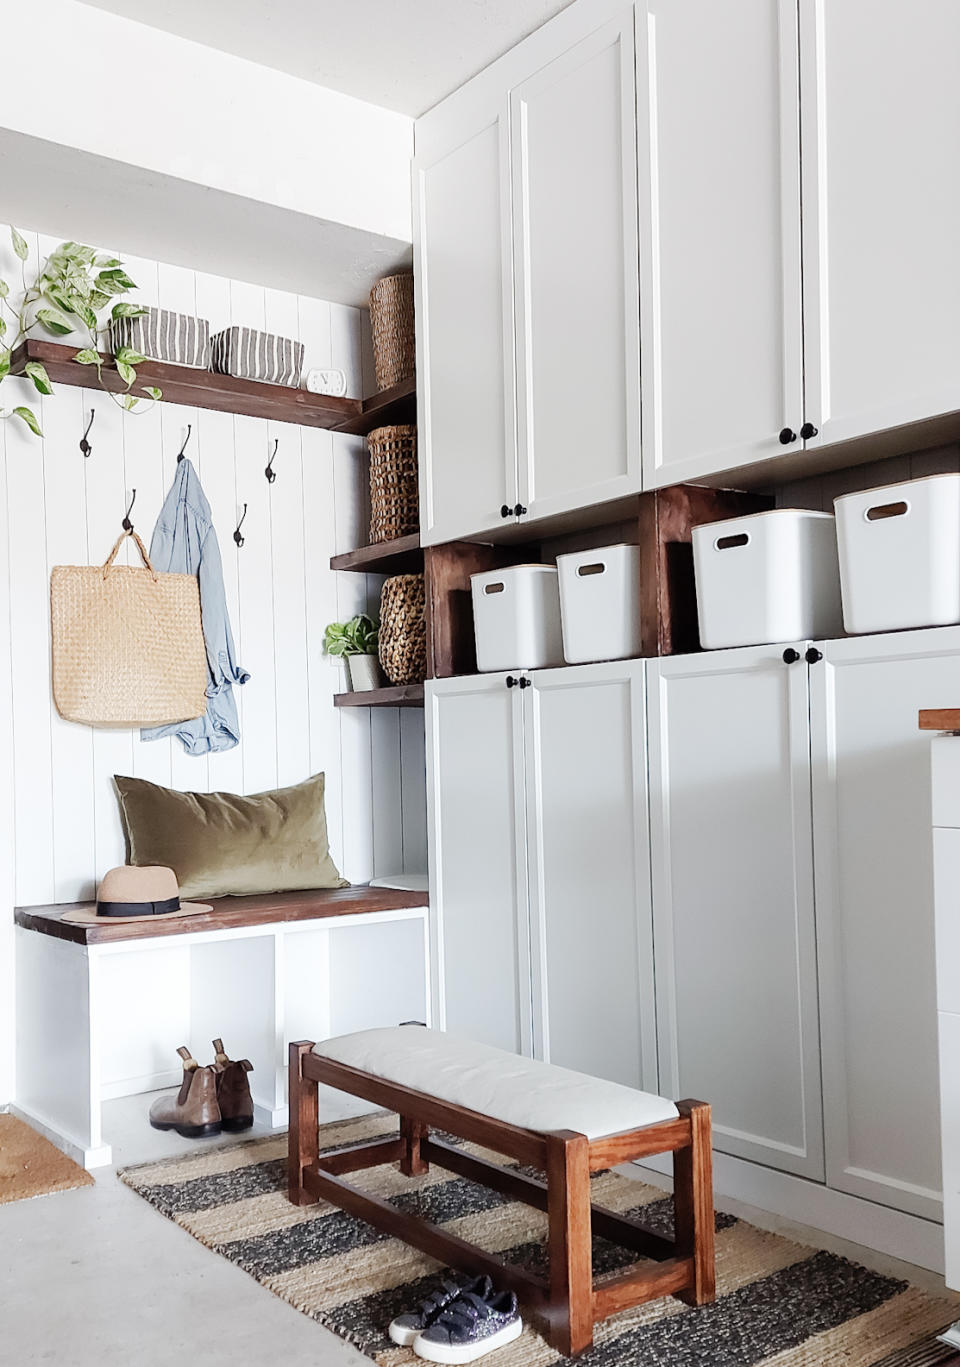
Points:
(184, 110)
(59, 827)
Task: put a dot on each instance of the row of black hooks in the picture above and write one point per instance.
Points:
(86, 447)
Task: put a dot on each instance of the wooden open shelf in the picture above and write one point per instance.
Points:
(940, 719)
(398, 695)
(660, 522)
(225, 394)
(393, 405)
(403, 556)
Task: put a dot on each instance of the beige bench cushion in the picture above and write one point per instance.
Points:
(520, 1091)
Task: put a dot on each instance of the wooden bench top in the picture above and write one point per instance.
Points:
(229, 913)
(940, 719)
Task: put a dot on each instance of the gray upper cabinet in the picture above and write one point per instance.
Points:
(575, 253)
(881, 203)
(687, 237)
(467, 441)
(526, 258)
(719, 184)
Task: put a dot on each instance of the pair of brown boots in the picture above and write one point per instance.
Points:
(211, 1099)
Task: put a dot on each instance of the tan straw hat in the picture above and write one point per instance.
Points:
(131, 894)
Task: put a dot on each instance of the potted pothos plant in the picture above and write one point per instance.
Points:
(66, 295)
(356, 642)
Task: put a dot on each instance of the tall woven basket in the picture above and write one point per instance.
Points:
(403, 630)
(391, 322)
(394, 487)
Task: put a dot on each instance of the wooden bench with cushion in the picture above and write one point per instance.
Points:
(564, 1123)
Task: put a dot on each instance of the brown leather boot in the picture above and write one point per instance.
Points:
(233, 1090)
(194, 1112)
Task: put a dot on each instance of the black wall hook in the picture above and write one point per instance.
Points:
(238, 538)
(126, 524)
(85, 446)
(270, 472)
(184, 446)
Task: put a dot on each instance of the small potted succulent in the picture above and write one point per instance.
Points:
(356, 642)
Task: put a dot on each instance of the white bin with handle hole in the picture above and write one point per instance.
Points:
(516, 618)
(767, 578)
(900, 555)
(600, 604)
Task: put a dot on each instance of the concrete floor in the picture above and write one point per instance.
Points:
(97, 1278)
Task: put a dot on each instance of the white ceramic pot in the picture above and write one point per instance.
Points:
(364, 673)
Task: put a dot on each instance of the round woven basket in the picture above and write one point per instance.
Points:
(403, 630)
(394, 488)
(391, 322)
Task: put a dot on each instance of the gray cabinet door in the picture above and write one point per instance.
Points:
(719, 180)
(733, 899)
(880, 127)
(575, 257)
(478, 894)
(875, 923)
(464, 307)
(588, 871)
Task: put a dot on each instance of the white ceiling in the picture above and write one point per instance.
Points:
(59, 190)
(401, 54)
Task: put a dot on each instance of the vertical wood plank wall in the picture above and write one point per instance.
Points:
(59, 828)
(818, 491)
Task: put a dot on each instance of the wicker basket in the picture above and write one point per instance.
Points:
(391, 322)
(394, 488)
(403, 629)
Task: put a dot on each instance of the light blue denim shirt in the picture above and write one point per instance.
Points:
(184, 542)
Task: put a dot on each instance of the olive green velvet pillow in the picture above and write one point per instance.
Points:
(222, 844)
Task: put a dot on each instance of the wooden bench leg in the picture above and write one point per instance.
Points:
(303, 1144)
(413, 1164)
(571, 1259)
(693, 1204)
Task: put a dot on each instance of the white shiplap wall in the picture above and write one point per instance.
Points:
(59, 828)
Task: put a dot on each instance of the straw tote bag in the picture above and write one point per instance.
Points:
(127, 644)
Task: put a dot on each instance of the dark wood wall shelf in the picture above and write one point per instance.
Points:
(398, 404)
(403, 556)
(225, 394)
(395, 695)
(940, 719)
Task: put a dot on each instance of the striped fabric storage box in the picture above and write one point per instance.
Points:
(175, 337)
(250, 355)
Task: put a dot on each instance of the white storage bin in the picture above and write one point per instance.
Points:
(766, 578)
(900, 555)
(600, 604)
(516, 618)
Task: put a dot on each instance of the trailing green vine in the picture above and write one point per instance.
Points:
(71, 289)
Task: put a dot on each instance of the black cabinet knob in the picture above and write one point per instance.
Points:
(787, 435)
(808, 430)
(505, 511)
(790, 656)
(813, 655)
(519, 510)
(524, 683)
(511, 681)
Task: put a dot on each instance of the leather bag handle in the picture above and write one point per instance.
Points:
(140, 547)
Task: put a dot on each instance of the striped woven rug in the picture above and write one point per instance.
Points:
(778, 1303)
